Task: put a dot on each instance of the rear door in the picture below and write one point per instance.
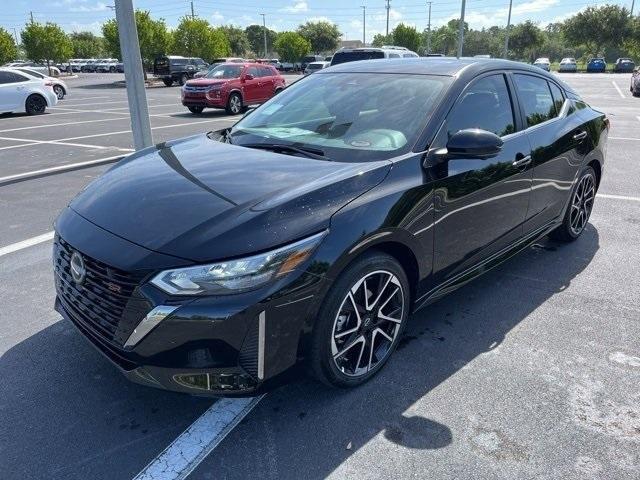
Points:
(251, 86)
(480, 204)
(267, 86)
(13, 91)
(559, 140)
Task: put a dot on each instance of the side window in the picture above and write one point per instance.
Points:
(265, 72)
(558, 98)
(486, 104)
(5, 77)
(536, 99)
(253, 71)
(394, 55)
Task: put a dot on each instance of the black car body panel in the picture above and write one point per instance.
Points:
(446, 219)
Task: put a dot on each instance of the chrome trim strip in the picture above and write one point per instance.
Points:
(148, 323)
(261, 325)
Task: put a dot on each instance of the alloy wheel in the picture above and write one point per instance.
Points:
(582, 203)
(59, 92)
(367, 323)
(235, 104)
(36, 104)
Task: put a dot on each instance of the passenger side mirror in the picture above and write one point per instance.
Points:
(473, 143)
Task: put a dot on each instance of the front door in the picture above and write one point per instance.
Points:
(480, 204)
(251, 85)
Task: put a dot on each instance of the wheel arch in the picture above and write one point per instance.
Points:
(597, 167)
(37, 94)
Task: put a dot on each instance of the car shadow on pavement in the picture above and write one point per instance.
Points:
(307, 427)
(67, 413)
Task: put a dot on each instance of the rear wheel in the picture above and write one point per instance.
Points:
(196, 110)
(112, 69)
(360, 322)
(580, 206)
(234, 104)
(183, 78)
(167, 82)
(59, 91)
(35, 105)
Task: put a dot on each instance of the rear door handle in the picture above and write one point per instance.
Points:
(580, 136)
(521, 162)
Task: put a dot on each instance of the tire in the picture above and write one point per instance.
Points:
(35, 104)
(167, 82)
(183, 79)
(341, 353)
(196, 110)
(112, 69)
(580, 206)
(278, 90)
(59, 91)
(234, 104)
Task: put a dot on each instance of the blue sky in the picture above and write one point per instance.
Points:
(75, 15)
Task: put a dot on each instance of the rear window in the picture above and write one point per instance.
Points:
(179, 61)
(343, 57)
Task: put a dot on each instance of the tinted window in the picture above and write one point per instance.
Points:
(394, 55)
(253, 71)
(179, 61)
(409, 55)
(558, 98)
(343, 57)
(33, 73)
(265, 71)
(536, 99)
(486, 104)
(11, 77)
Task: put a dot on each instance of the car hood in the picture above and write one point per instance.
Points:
(203, 200)
(207, 82)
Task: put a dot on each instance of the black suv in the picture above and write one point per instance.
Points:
(173, 68)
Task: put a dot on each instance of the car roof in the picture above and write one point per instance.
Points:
(444, 66)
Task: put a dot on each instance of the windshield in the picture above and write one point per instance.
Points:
(33, 73)
(225, 71)
(349, 116)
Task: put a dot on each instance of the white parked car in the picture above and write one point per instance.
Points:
(21, 93)
(106, 65)
(568, 65)
(543, 63)
(315, 66)
(59, 87)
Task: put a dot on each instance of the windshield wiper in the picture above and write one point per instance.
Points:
(282, 148)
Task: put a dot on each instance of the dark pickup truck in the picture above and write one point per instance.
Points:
(173, 68)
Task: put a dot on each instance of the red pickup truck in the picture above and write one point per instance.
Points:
(232, 86)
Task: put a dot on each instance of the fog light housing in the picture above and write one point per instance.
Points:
(215, 381)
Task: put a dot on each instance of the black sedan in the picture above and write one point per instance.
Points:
(624, 65)
(309, 231)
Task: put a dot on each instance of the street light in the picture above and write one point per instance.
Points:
(461, 30)
(264, 31)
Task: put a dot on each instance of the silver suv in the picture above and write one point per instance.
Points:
(370, 53)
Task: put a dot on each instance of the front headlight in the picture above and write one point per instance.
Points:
(235, 276)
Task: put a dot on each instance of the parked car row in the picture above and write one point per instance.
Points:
(594, 65)
(91, 65)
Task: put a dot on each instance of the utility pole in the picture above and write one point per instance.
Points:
(15, 34)
(31, 14)
(133, 74)
(633, 4)
(506, 35)
(264, 32)
(429, 29)
(193, 15)
(461, 30)
(364, 25)
(388, 8)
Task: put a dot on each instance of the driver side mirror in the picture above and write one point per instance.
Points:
(248, 76)
(472, 143)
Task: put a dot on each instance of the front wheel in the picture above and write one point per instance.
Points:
(580, 207)
(360, 322)
(167, 82)
(35, 105)
(59, 91)
(234, 104)
(183, 79)
(196, 110)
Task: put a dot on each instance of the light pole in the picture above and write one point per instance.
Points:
(388, 7)
(264, 32)
(364, 25)
(461, 30)
(429, 29)
(506, 35)
(633, 4)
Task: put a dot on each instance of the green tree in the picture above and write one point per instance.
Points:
(525, 40)
(291, 46)
(238, 41)
(444, 40)
(599, 27)
(46, 43)
(194, 37)
(153, 36)
(405, 36)
(632, 43)
(380, 40)
(255, 36)
(8, 47)
(322, 36)
(86, 45)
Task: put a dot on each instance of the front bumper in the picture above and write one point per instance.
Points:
(204, 100)
(232, 345)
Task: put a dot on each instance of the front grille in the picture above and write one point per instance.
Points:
(106, 302)
(189, 88)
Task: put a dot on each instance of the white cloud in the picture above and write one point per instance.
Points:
(98, 7)
(217, 17)
(296, 7)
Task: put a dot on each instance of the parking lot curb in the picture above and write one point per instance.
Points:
(22, 177)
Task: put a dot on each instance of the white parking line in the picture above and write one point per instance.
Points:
(186, 452)
(60, 142)
(88, 104)
(69, 111)
(20, 145)
(51, 125)
(613, 82)
(29, 242)
(624, 138)
(618, 197)
(174, 104)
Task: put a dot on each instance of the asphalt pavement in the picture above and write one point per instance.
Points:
(530, 372)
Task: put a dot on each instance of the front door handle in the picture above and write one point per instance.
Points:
(578, 137)
(522, 162)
